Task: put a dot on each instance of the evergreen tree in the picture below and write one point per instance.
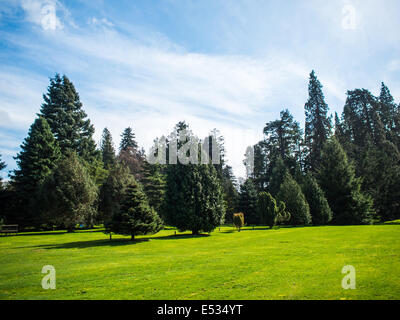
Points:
(381, 173)
(70, 194)
(63, 111)
(193, 197)
(317, 125)
(135, 216)
(129, 154)
(389, 114)
(36, 160)
(337, 179)
(283, 139)
(271, 212)
(278, 173)
(154, 185)
(107, 149)
(320, 211)
(248, 202)
(230, 193)
(296, 204)
(128, 140)
(267, 209)
(112, 191)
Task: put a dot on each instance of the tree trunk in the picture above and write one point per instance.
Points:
(132, 237)
(195, 232)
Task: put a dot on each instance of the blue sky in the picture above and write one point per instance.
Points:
(230, 65)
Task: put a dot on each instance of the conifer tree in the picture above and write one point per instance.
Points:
(128, 140)
(320, 211)
(278, 173)
(342, 188)
(107, 149)
(36, 160)
(193, 197)
(135, 216)
(129, 154)
(63, 111)
(70, 194)
(296, 204)
(248, 202)
(154, 185)
(230, 193)
(381, 173)
(317, 124)
(112, 191)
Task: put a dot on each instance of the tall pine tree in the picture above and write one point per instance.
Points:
(36, 160)
(63, 111)
(107, 149)
(317, 123)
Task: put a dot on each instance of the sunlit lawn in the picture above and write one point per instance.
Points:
(285, 263)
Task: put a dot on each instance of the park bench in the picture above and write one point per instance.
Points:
(9, 228)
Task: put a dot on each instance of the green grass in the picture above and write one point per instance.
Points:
(285, 263)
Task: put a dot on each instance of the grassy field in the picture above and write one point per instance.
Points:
(285, 263)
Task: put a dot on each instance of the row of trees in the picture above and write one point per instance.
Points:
(341, 173)
(63, 179)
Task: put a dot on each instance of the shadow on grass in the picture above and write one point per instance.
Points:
(55, 233)
(91, 244)
(113, 242)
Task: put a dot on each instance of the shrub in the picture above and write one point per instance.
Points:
(238, 220)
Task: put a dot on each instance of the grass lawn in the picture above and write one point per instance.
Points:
(285, 263)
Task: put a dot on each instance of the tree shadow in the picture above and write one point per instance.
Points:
(56, 233)
(113, 242)
(180, 236)
(91, 244)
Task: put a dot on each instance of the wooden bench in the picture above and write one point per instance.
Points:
(9, 228)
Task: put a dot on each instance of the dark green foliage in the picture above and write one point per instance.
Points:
(267, 209)
(63, 111)
(283, 142)
(70, 194)
(231, 195)
(381, 172)
(320, 211)
(112, 191)
(193, 197)
(337, 178)
(317, 124)
(238, 220)
(128, 140)
(135, 216)
(37, 158)
(278, 173)
(296, 204)
(248, 202)
(154, 185)
(370, 138)
(107, 149)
